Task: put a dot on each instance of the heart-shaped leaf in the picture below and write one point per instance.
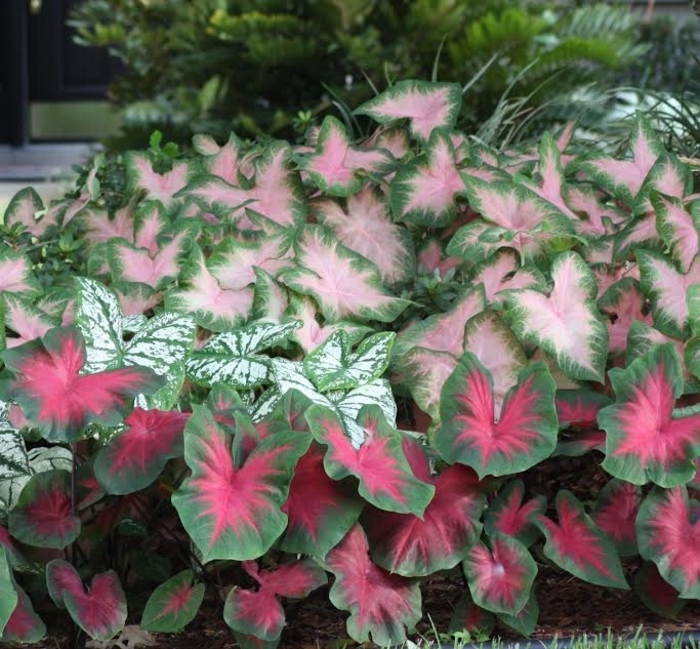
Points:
(173, 605)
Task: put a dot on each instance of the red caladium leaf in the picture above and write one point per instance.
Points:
(135, 457)
(100, 611)
(43, 515)
(615, 513)
(425, 190)
(381, 605)
(231, 504)
(500, 577)
(471, 433)
(24, 625)
(566, 323)
(577, 545)
(426, 105)
(338, 167)
(525, 621)
(173, 605)
(259, 613)
(656, 593)
(411, 546)
(385, 477)
(647, 440)
(470, 618)
(57, 399)
(507, 515)
(321, 511)
(579, 408)
(668, 534)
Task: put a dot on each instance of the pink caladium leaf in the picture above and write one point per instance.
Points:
(385, 476)
(100, 610)
(174, 604)
(656, 593)
(342, 282)
(231, 503)
(640, 233)
(576, 544)
(502, 271)
(24, 318)
(624, 304)
(320, 510)
(427, 106)
(566, 323)
(259, 613)
(500, 575)
(615, 512)
(136, 456)
(414, 546)
(647, 440)
(24, 626)
(678, 227)
(507, 515)
(43, 516)
(471, 433)
(27, 209)
(57, 399)
(142, 177)
(624, 178)
(16, 274)
(100, 226)
(381, 605)
(667, 534)
(365, 226)
(339, 168)
(425, 190)
(666, 288)
(225, 199)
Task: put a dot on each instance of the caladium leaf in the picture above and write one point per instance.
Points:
(381, 605)
(471, 618)
(342, 282)
(525, 621)
(163, 343)
(500, 577)
(656, 593)
(16, 274)
(174, 604)
(43, 516)
(163, 187)
(365, 226)
(577, 545)
(231, 506)
(667, 534)
(270, 298)
(8, 592)
(647, 441)
(100, 611)
(624, 304)
(57, 399)
(27, 208)
(427, 106)
(233, 357)
(333, 365)
(259, 613)
(413, 547)
(471, 433)
(502, 271)
(320, 510)
(615, 513)
(566, 323)
(425, 190)
(579, 408)
(136, 456)
(339, 168)
(507, 515)
(24, 318)
(24, 625)
(385, 476)
(666, 289)
(678, 227)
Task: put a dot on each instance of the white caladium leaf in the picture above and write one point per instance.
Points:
(342, 282)
(290, 375)
(566, 323)
(666, 288)
(233, 357)
(163, 343)
(339, 168)
(333, 366)
(426, 106)
(425, 190)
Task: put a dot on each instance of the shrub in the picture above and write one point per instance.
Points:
(278, 67)
(213, 402)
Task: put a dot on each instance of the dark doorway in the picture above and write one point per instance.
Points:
(41, 68)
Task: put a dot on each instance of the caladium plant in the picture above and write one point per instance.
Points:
(267, 361)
